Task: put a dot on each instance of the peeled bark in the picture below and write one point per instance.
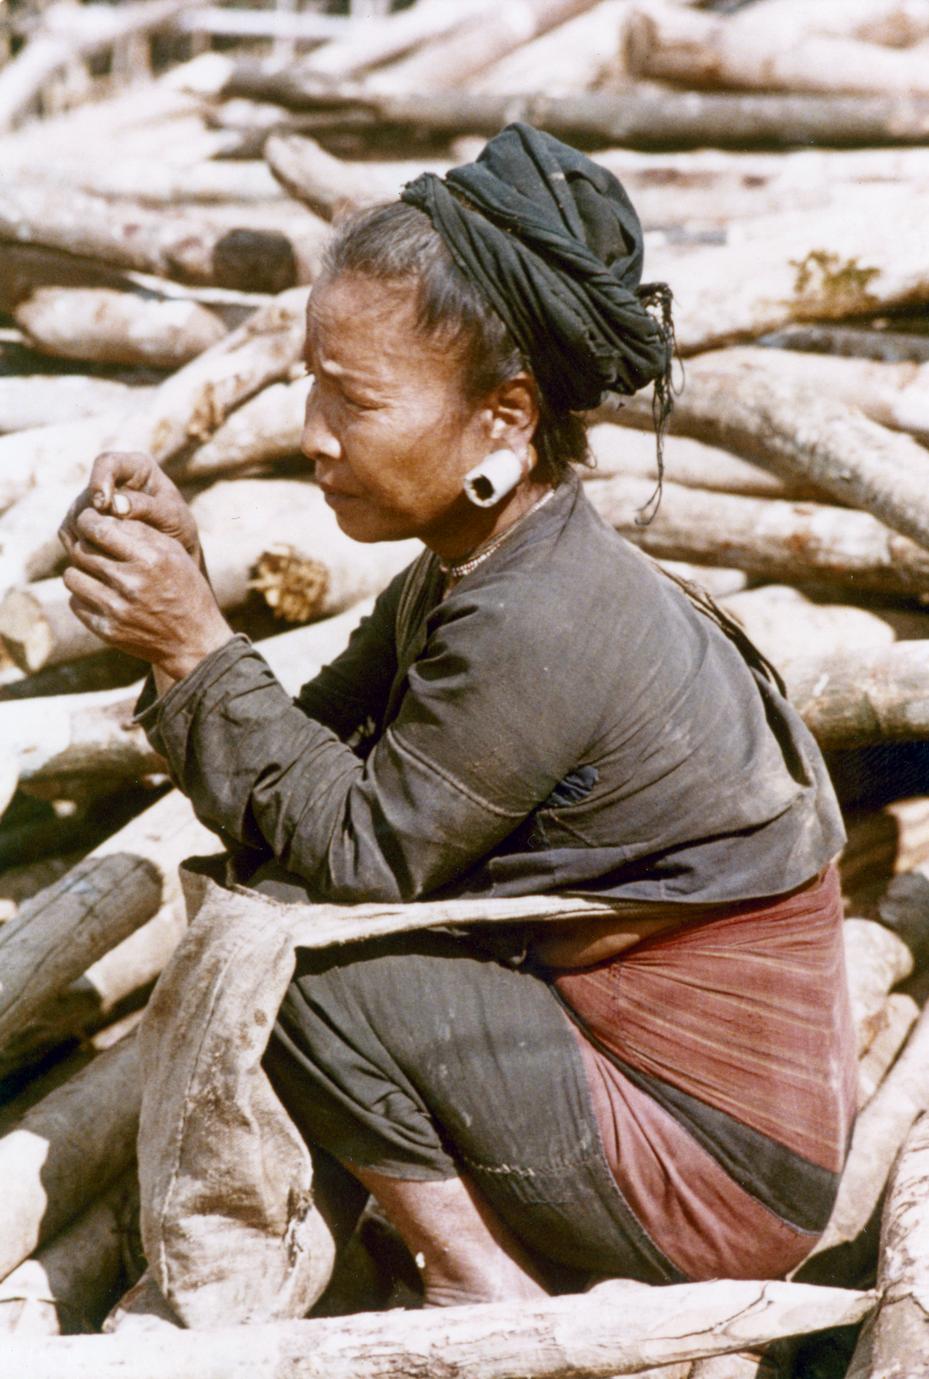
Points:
(665, 43)
(109, 327)
(853, 700)
(180, 247)
(617, 1328)
(66, 1150)
(899, 1015)
(896, 1338)
(69, 1285)
(768, 538)
(36, 400)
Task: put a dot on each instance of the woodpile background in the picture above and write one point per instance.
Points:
(168, 171)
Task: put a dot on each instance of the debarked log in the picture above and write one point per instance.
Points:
(617, 1328)
(59, 453)
(667, 43)
(876, 960)
(69, 1285)
(327, 185)
(176, 246)
(896, 1337)
(851, 700)
(32, 400)
(265, 428)
(785, 623)
(769, 538)
(899, 1015)
(66, 1150)
(110, 327)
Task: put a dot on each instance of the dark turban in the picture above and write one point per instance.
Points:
(554, 244)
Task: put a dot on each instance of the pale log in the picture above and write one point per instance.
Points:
(32, 400)
(785, 623)
(851, 700)
(382, 40)
(38, 628)
(29, 544)
(329, 186)
(69, 1285)
(162, 184)
(876, 960)
(622, 451)
(899, 1015)
(879, 1132)
(792, 428)
(22, 882)
(896, 1337)
(893, 23)
(767, 537)
(25, 267)
(175, 246)
(66, 1149)
(103, 326)
(617, 1328)
(265, 428)
(59, 453)
(666, 43)
(572, 57)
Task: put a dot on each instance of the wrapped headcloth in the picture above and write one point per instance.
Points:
(555, 245)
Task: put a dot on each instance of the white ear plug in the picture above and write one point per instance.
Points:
(489, 482)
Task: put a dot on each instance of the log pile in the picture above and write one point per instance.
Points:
(168, 172)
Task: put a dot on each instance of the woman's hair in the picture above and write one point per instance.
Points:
(397, 243)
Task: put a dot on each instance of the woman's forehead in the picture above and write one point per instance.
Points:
(360, 325)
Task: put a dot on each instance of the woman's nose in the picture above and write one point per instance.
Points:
(317, 440)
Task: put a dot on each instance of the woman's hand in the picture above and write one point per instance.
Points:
(141, 591)
(131, 485)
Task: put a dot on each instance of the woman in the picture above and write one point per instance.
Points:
(531, 706)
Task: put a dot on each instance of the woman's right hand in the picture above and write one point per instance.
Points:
(130, 484)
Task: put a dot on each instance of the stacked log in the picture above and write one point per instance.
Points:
(157, 245)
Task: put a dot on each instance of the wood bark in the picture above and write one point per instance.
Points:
(876, 960)
(265, 428)
(109, 327)
(665, 43)
(852, 700)
(68, 33)
(618, 1328)
(66, 1150)
(785, 623)
(879, 1132)
(69, 1285)
(896, 1339)
(791, 428)
(768, 538)
(175, 246)
(638, 120)
(899, 1016)
(28, 401)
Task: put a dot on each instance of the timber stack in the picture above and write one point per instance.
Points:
(167, 175)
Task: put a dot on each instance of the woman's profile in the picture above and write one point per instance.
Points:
(531, 707)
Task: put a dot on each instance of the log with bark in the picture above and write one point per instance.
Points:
(853, 342)
(66, 1150)
(616, 1328)
(764, 52)
(104, 326)
(330, 186)
(895, 1340)
(792, 428)
(34, 400)
(127, 236)
(70, 1284)
(811, 543)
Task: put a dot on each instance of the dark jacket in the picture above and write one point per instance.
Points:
(564, 720)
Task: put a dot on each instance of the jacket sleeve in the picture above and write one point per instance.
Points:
(491, 720)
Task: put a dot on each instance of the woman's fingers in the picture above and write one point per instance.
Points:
(118, 538)
(116, 469)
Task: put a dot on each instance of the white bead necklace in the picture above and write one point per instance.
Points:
(459, 569)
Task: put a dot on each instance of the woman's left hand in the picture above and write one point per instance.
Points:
(141, 592)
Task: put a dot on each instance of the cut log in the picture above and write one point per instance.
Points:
(896, 1339)
(853, 700)
(66, 1150)
(68, 33)
(621, 451)
(266, 428)
(876, 960)
(880, 1130)
(791, 428)
(44, 400)
(892, 347)
(109, 327)
(893, 23)
(597, 119)
(617, 1328)
(881, 844)
(666, 43)
(382, 40)
(575, 56)
(23, 268)
(83, 739)
(329, 186)
(785, 623)
(181, 247)
(769, 538)
(39, 629)
(91, 910)
(23, 882)
(161, 184)
(898, 1018)
(59, 453)
(70, 1285)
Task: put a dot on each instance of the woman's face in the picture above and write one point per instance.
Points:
(387, 424)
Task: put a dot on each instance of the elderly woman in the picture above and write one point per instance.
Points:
(531, 706)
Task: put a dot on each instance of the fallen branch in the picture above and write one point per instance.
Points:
(618, 1328)
(109, 327)
(66, 1150)
(575, 56)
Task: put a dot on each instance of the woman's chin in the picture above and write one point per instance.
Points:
(357, 520)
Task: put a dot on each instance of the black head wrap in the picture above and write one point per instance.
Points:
(555, 245)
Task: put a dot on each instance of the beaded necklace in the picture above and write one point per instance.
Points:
(458, 569)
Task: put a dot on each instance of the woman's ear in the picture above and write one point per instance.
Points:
(513, 410)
